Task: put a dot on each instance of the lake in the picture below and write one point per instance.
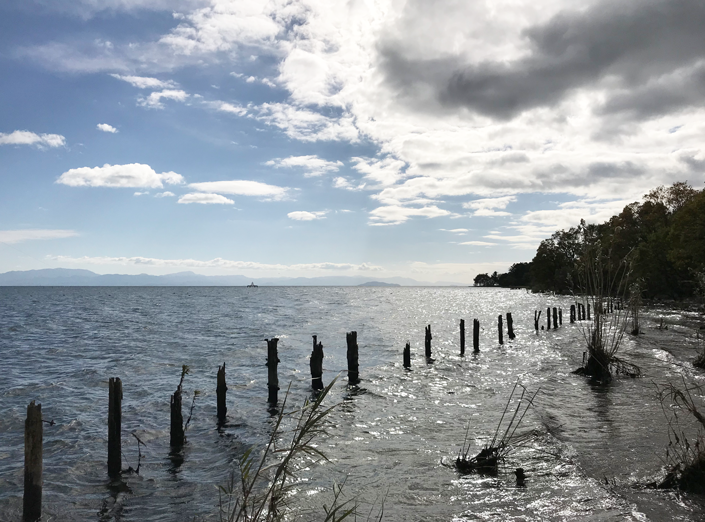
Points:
(389, 438)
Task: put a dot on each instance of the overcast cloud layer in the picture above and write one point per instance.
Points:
(475, 128)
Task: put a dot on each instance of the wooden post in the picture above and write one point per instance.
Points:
(555, 317)
(588, 311)
(572, 314)
(353, 367)
(510, 326)
(499, 329)
(475, 335)
(316, 363)
(221, 391)
(427, 341)
(33, 434)
(114, 426)
(177, 436)
(462, 337)
(407, 356)
(272, 362)
(548, 318)
(560, 316)
(537, 318)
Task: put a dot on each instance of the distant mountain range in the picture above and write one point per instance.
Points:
(76, 277)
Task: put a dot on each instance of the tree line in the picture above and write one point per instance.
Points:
(662, 239)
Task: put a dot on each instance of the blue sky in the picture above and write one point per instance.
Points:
(306, 138)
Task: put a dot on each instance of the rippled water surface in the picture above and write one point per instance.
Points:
(388, 439)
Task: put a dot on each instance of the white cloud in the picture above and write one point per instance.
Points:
(30, 138)
(154, 100)
(490, 203)
(460, 231)
(302, 215)
(229, 107)
(31, 234)
(396, 214)
(106, 128)
(141, 193)
(166, 194)
(306, 125)
(133, 175)
(385, 171)
(342, 183)
(205, 199)
(215, 263)
(144, 82)
(240, 187)
(477, 243)
(313, 165)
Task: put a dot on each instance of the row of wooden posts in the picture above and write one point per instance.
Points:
(32, 501)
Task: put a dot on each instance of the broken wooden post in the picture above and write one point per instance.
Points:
(548, 318)
(462, 337)
(475, 335)
(221, 391)
(114, 426)
(510, 326)
(555, 317)
(427, 341)
(537, 318)
(316, 363)
(407, 356)
(499, 329)
(572, 314)
(353, 368)
(272, 362)
(177, 435)
(560, 316)
(33, 434)
(588, 311)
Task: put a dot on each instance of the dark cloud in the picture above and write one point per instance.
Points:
(695, 164)
(668, 93)
(627, 43)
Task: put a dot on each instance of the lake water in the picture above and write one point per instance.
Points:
(388, 439)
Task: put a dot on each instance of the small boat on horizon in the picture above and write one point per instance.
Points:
(252, 285)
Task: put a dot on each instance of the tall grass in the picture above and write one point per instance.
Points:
(266, 480)
(602, 279)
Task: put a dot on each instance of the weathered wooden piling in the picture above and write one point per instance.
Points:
(572, 314)
(353, 366)
(427, 341)
(537, 318)
(500, 329)
(316, 363)
(588, 311)
(548, 318)
(475, 335)
(272, 362)
(555, 317)
(33, 442)
(221, 391)
(177, 435)
(462, 337)
(114, 426)
(510, 326)
(407, 355)
(560, 317)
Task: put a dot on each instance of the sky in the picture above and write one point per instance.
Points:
(378, 138)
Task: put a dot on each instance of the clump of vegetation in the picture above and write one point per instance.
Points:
(685, 454)
(266, 480)
(635, 306)
(487, 460)
(602, 279)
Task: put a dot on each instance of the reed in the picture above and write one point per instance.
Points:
(267, 480)
(499, 447)
(603, 278)
(685, 454)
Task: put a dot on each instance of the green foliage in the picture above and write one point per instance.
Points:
(664, 237)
